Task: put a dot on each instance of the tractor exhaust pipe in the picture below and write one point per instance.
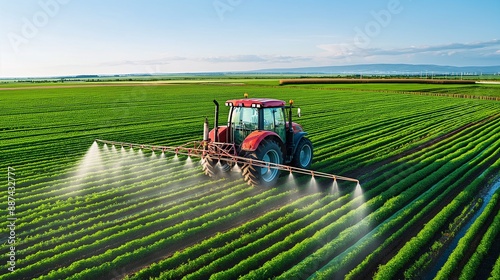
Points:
(216, 124)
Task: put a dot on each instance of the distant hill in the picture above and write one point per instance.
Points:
(388, 69)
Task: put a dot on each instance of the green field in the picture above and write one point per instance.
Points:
(86, 211)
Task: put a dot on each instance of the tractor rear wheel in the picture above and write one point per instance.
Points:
(302, 158)
(268, 151)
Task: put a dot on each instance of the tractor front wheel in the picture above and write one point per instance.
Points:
(209, 166)
(268, 151)
(302, 158)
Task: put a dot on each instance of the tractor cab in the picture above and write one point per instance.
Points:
(249, 115)
(259, 130)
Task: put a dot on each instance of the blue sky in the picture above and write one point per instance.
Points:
(70, 37)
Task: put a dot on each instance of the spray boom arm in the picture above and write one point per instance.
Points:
(225, 152)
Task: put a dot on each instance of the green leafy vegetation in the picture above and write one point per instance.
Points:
(97, 211)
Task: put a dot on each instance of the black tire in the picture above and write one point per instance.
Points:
(302, 158)
(268, 151)
(210, 168)
(225, 166)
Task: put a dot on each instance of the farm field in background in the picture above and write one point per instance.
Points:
(489, 90)
(428, 167)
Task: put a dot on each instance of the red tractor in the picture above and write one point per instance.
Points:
(259, 138)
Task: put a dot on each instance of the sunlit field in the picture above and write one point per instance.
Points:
(427, 204)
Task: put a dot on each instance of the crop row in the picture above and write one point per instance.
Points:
(450, 267)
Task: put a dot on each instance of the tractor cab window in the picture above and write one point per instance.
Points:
(244, 120)
(274, 120)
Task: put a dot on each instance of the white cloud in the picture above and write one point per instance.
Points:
(252, 58)
(349, 51)
(337, 50)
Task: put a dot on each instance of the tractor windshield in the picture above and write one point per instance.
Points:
(244, 120)
(274, 120)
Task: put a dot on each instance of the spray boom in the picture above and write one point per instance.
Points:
(226, 152)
